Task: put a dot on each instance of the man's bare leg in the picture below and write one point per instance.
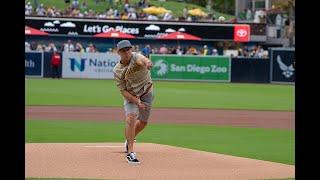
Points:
(130, 130)
(139, 126)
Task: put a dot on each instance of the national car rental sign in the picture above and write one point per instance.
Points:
(241, 33)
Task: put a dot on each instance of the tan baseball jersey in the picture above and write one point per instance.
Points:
(133, 78)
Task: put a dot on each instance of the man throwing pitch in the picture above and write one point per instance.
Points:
(133, 78)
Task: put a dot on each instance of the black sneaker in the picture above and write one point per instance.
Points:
(126, 147)
(131, 158)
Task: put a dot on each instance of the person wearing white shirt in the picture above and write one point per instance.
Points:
(41, 11)
(68, 47)
(27, 46)
(132, 15)
(257, 16)
(278, 20)
(28, 9)
(167, 16)
(152, 17)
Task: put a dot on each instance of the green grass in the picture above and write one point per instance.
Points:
(175, 7)
(80, 92)
(264, 144)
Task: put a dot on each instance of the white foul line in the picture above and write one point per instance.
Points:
(104, 146)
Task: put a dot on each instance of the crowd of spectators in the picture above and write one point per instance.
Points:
(128, 11)
(253, 51)
(69, 46)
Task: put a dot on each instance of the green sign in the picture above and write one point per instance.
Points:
(180, 67)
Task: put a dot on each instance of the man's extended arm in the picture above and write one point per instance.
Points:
(146, 62)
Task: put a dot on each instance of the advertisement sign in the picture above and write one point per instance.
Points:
(34, 64)
(139, 29)
(199, 68)
(88, 65)
(241, 33)
(282, 65)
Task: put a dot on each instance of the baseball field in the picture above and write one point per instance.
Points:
(74, 129)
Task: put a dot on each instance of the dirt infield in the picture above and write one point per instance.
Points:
(106, 161)
(241, 118)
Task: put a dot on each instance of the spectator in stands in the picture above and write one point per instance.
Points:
(124, 16)
(154, 50)
(116, 14)
(146, 50)
(172, 50)
(185, 13)
(55, 63)
(75, 4)
(41, 11)
(126, 8)
(33, 46)
(142, 15)
(90, 13)
(245, 51)
(265, 54)
(163, 49)
(51, 12)
(259, 16)
(45, 48)
(79, 48)
(142, 4)
(90, 48)
(132, 15)
(205, 50)
(278, 22)
(259, 52)
(240, 52)
(27, 46)
(110, 13)
(191, 50)
(286, 28)
(52, 47)
(221, 19)
(214, 52)
(28, 9)
(68, 47)
(67, 11)
(152, 17)
(249, 14)
(95, 49)
(179, 51)
(40, 48)
(57, 12)
(75, 13)
(80, 15)
(167, 16)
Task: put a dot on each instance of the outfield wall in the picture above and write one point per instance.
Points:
(278, 69)
(250, 70)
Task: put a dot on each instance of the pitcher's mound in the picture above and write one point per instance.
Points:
(107, 161)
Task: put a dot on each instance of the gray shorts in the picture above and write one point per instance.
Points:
(143, 114)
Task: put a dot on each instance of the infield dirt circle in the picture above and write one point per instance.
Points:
(106, 160)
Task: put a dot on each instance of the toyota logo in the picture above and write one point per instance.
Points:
(242, 33)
